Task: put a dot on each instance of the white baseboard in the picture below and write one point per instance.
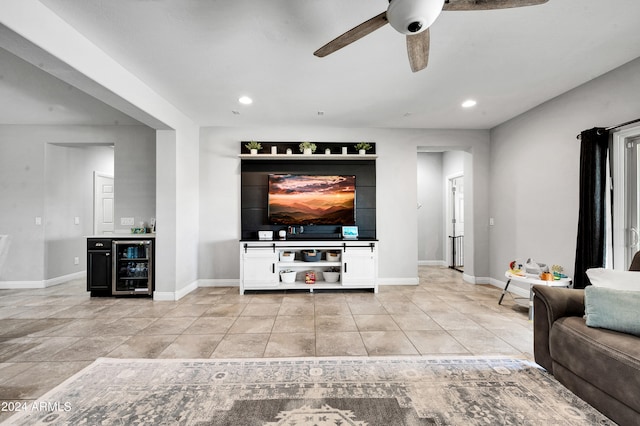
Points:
(65, 278)
(475, 280)
(399, 281)
(171, 296)
(23, 285)
(513, 287)
(432, 263)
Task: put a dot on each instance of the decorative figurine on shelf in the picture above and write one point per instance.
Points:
(362, 147)
(253, 147)
(308, 148)
(558, 272)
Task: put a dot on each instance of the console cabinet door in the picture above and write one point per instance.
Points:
(259, 268)
(358, 266)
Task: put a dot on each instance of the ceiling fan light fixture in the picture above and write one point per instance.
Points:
(469, 103)
(413, 16)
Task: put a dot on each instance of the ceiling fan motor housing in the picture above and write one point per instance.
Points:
(413, 16)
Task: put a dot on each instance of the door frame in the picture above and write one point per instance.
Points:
(619, 226)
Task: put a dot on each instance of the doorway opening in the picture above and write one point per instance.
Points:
(456, 221)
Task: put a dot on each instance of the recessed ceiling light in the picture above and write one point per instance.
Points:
(245, 100)
(469, 103)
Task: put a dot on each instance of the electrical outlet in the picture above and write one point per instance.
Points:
(127, 221)
(491, 221)
(76, 220)
(76, 260)
(38, 220)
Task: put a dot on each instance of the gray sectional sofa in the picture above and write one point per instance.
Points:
(599, 365)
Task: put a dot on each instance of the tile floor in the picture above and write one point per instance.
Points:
(47, 335)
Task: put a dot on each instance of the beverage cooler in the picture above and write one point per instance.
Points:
(132, 267)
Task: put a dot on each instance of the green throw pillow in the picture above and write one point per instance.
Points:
(617, 310)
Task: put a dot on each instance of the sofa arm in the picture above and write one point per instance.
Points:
(549, 304)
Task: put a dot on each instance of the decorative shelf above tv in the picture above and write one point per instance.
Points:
(321, 156)
(291, 151)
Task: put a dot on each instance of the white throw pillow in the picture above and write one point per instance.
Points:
(619, 280)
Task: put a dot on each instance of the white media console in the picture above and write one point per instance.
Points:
(281, 265)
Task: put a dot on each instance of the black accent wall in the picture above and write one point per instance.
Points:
(254, 194)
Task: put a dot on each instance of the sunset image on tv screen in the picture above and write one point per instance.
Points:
(308, 199)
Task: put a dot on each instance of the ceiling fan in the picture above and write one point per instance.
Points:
(413, 18)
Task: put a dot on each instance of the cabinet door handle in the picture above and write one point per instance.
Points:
(273, 268)
(345, 268)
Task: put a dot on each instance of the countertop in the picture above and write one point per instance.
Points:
(122, 236)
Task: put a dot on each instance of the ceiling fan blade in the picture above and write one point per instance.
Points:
(488, 4)
(352, 35)
(418, 50)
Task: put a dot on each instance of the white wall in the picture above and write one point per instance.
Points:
(535, 169)
(397, 218)
(69, 195)
(135, 177)
(430, 209)
(25, 176)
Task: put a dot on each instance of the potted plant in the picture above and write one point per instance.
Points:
(253, 147)
(362, 147)
(307, 148)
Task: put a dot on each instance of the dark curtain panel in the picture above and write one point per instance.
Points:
(590, 246)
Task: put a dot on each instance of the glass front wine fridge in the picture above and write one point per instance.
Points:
(132, 267)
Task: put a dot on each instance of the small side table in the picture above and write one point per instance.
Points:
(532, 280)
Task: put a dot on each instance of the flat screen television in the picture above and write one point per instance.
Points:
(312, 199)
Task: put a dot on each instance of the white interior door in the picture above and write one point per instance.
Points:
(103, 191)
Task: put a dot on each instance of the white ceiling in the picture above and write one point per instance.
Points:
(201, 55)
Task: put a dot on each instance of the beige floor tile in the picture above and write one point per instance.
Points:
(306, 309)
(210, 325)
(451, 320)
(483, 342)
(241, 346)
(142, 346)
(188, 310)
(291, 344)
(406, 308)
(192, 346)
(328, 324)
(375, 323)
(340, 343)
(39, 378)
(89, 348)
(294, 324)
(252, 325)
(415, 322)
(332, 308)
(367, 308)
(261, 309)
(45, 348)
(225, 310)
(436, 342)
(167, 325)
(387, 343)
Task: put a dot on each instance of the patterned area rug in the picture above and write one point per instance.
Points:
(311, 391)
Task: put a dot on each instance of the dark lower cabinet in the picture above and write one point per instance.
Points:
(99, 266)
(120, 266)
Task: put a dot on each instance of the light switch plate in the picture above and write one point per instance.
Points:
(126, 221)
